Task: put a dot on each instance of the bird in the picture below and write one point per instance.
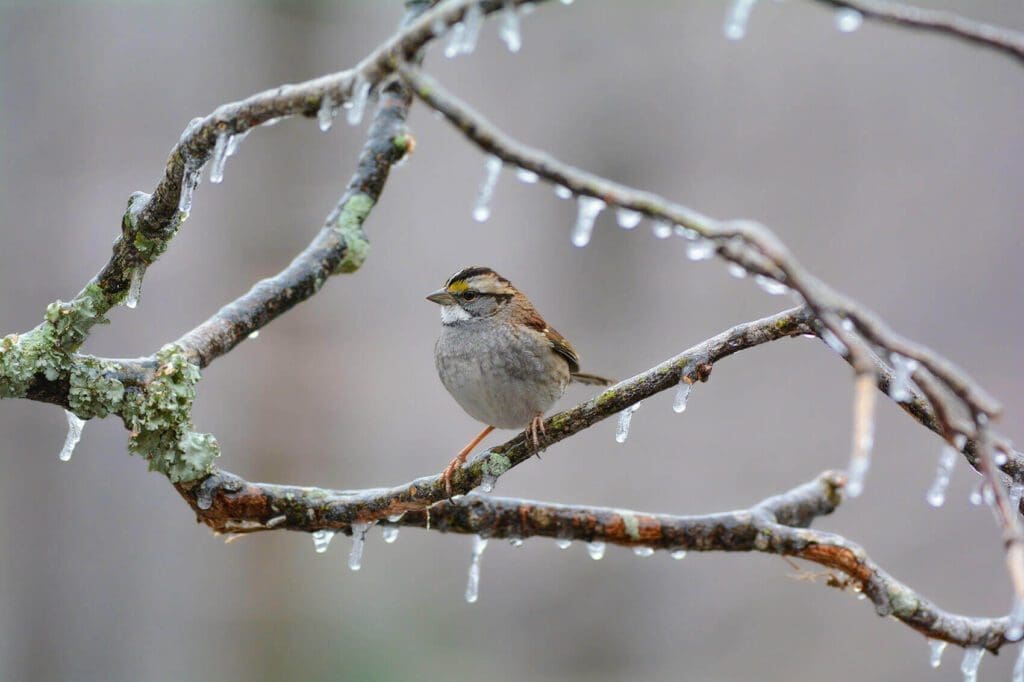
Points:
(497, 357)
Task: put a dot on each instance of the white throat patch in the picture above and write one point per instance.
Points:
(450, 314)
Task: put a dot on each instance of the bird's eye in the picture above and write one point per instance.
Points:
(469, 296)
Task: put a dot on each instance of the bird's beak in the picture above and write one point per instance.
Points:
(441, 297)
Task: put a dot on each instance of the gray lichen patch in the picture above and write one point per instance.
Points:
(94, 389)
(349, 224)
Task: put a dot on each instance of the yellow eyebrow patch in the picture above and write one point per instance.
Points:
(458, 287)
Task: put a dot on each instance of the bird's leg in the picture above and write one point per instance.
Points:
(460, 459)
(537, 425)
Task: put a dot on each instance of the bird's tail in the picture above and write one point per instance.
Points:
(591, 379)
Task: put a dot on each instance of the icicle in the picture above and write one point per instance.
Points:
(325, 114)
(395, 518)
(472, 20)
(863, 432)
(1018, 667)
(135, 286)
(971, 661)
(566, 2)
(628, 218)
(700, 249)
(454, 46)
(74, 435)
(682, 394)
(254, 334)
(848, 20)
(770, 286)
(357, 105)
(509, 30)
(976, 497)
(736, 19)
(220, 156)
(596, 550)
(389, 533)
(355, 557)
(1016, 492)
(736, 270)
(527, 176)
(678, 554)
(236, 140)
(563, 192)
(899, 387)
(587, 211)
(487, 482)
(1015, 624)
(833, 342)
(643, 551)
(482, 208)
(322, 540)
(516, 542)
(937, 493)
(625, 417)
(564, 543)
(473, 586)
(189, 182)
(937, 646)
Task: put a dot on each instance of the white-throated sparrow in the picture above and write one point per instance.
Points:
(503, 364)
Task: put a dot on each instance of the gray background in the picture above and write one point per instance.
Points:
(889, 160)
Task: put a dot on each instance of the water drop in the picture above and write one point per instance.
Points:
(596, 550)
(976, 497)
(643, 551)
(220, 156)
(1000, 458)
(937, 492)
(322, 540)
(389, 533)
(566, 2)
(189, 181)
(682, 395)
(527, 176)
(736, 270)
(736, 19)
(360, 95)
(937, 646)
(74, 435)
(770, 286)
(563, 192)
(678, 554)
(848, 20)
(509, 31)
(971, 661)
(482, 208)
(900, 386)
(473, 586)
(254, 334)
(355, 557)
(564, 543)
(325, 114)
(661, 229)
(700, 249)
(628, 218)
(516, 542)
(586, 213)
(625, 418)
(135, 286)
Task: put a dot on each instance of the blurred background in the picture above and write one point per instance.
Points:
(889, 160)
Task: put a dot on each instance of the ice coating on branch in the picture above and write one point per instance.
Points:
(971, 661)
(395, 518)
(661, 229)
(254, 334)
(625, 419)
(325, 114)
(937, 492)
(487, 482)
(700, 249)
(322, 540)
(678, 554)
(454, 46)
(189, 181)
(587, 210)
(937, 646)
(355, 557)
(736, 19)
(596, 550)
(848, 19)
(360, 95)
(74, 435)
(628, 218)
(220, 156)
(389, 533)
(526, 175)
(563, 192)
(1015, 624)
(509, 31)
(682, 395)
(900, 386)
(643, 551)
(564, 543)
(833, 342)
(135, 286)
(482, 208)
(1016, 492)
(770, 286)
(473, 585)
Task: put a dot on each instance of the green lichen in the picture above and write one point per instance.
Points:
(349, 225)
(94, 391)
(160, 419)
(496, 464)
(632, 524)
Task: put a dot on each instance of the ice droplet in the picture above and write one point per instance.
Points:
(516, 542)
(736, 270)
(1000, 458)
(736, 19)
(360, 95)
(678, 554)
(770, 286)
(661, 229)
(509, 30)
(971, 661)
(937, 493)
(900, 386)
(482, 208)
(473, 585)
(587, 210)
(628, 218)
(74, 435)
(564, 543)
(189, 181)
(526, 175)
(389, 533)
(1018, 667)
(643, 551)
(220, 157)
(487, 482)
(976, 497)
(355, 557)
(325, 114)
(625, 418)
(937, 646)
(563, 192)
(322, 540)
(254, 334)
(848, 20)
(682, 395)
(700, 249)
(596, 550)
(135, 286)
(1015, 624)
